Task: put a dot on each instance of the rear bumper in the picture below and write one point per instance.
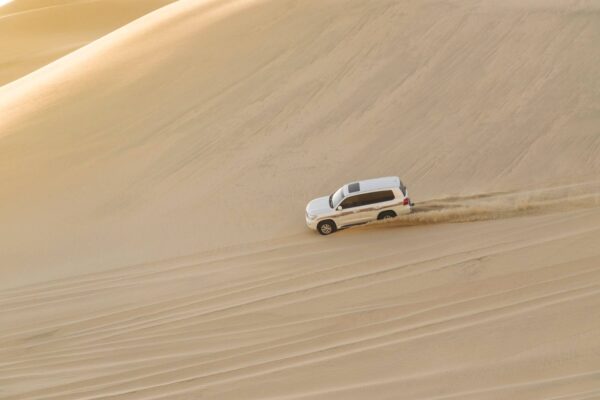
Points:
(406, 209)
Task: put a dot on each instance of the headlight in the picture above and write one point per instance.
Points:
(310, 216)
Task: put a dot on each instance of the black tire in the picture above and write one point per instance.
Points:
(386, 215)
(326, 227)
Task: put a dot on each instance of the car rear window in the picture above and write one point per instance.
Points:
(403, 188)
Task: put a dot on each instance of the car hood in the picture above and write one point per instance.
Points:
(318, 206)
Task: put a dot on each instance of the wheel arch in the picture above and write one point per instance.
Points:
(383, 213)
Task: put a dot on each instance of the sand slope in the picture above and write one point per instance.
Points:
(195, 136)
(413, 313)
(206, 112)
(36, 32)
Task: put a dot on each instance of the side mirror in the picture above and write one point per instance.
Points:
(338, 208)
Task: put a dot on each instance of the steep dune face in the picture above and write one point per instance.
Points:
(211, 123)
(196, 134)
(36, 32)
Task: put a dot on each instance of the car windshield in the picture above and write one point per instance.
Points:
(336, 198)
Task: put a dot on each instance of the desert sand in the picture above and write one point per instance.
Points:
(153, 185)
(37, 32)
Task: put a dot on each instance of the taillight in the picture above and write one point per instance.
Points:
(406, 201)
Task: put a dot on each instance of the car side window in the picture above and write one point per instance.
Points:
(350, 202)
(376, 197)
(367, 199)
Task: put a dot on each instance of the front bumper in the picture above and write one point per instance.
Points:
(311, 223)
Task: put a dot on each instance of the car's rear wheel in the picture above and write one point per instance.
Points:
(326, 227)
(386, 215)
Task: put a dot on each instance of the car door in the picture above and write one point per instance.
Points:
(375, 202)
(371, 204)
(352, 211)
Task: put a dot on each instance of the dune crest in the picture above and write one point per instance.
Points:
(39, 32)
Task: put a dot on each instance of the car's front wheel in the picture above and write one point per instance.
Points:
(326, 227)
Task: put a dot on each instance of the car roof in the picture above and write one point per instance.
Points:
(369, 185)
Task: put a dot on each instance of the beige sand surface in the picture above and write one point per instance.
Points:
(36, 32)
(153, 184)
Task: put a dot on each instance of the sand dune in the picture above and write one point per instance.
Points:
(36, 32)
(170, 137)
(153, 184)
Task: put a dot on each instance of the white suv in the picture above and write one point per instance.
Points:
(358, 203)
